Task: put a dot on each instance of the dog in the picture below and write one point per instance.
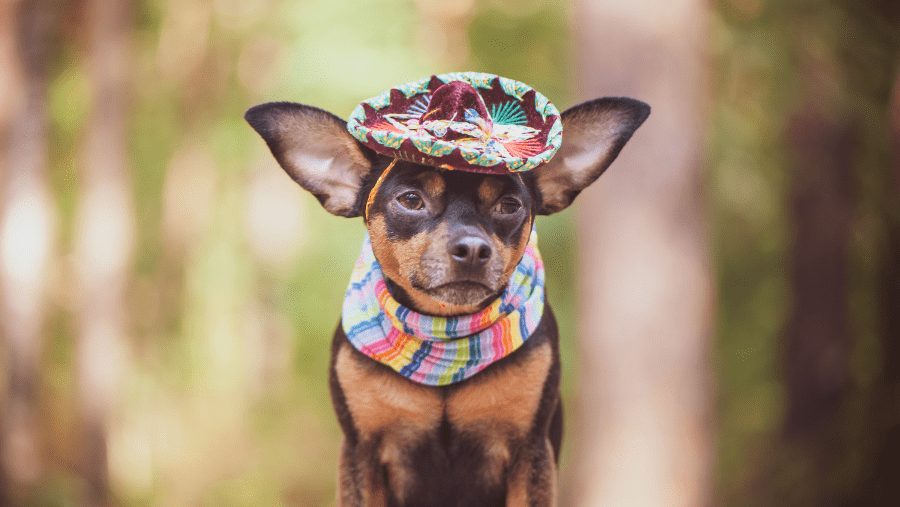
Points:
(447, 243)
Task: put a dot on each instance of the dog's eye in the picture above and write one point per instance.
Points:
(411, 200)
(508, 206)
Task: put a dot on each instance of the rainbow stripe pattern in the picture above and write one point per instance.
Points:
(438, 351)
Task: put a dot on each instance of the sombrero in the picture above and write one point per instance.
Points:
(468, 121)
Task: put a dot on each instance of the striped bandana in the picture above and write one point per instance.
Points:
(437, 351)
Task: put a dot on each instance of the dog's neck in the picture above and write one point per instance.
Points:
(425, 305)
(434, 349)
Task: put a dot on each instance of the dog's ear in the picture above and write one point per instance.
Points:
(593, 134)
(315, 149)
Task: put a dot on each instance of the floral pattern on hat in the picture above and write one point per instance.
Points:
(468, 121)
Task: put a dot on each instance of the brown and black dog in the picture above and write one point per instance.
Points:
(447, 242)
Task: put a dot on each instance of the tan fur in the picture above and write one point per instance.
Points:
(489, 422)
(498, 405)
(344, 480)
(511, 256)
(509, 397)
(432, 183)
(409, 254)
(533, 480)
(389, 412)
(517, 491)
(399, 259)
(489, 190)
(550, 474)
(374, 493)
(382, 248)
(380, 399)
(371, 490)
(395, 414)
(497, 457)
(394, 458)
(431, 306)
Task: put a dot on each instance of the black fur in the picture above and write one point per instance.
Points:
(448, 457)
(448, 460)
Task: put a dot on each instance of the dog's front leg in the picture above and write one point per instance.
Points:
(532, 477)
(360, 481)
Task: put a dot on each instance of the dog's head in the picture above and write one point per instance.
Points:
(447, 240)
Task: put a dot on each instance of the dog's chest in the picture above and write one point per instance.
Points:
(412, 428)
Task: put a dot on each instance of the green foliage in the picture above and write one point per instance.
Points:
(771, 60)
(527, 41)
(224, 397)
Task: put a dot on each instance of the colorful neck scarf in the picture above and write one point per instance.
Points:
(437, 351)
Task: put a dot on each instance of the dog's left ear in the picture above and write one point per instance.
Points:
(593, 135)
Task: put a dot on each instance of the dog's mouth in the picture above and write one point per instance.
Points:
(462, 293)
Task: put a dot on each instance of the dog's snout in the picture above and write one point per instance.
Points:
(470, 250)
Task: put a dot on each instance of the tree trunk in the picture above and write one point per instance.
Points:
(817, 338)
(643, 429)
(850, 452)
(27, 236)
(884, 490)
(104, 234)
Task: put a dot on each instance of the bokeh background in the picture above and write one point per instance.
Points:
(728, 294)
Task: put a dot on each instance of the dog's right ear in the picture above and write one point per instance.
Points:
(315, 149)
(593, 135)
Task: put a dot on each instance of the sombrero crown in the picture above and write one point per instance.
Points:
(464, 120)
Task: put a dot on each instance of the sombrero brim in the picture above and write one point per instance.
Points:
(523, 130)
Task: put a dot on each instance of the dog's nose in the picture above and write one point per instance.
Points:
(470, 250)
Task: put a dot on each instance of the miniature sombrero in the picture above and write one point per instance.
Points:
(469, 121)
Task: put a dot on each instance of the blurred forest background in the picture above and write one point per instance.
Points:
(167, 294)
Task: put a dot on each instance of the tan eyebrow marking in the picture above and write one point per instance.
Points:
(489, 190)
(432, 183)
